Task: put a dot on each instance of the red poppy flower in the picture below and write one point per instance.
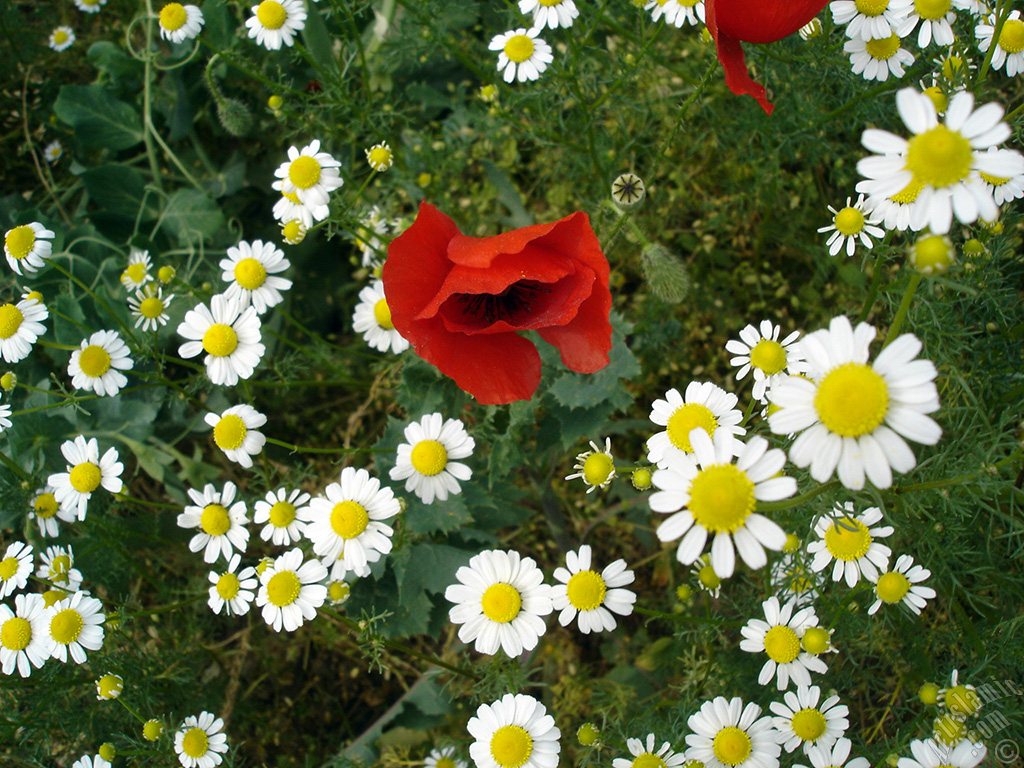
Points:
(461, 301)
(753, 21)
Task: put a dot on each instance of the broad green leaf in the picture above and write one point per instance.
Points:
(112, 60)
(99, 119)
(579, 390)
(430, 568)
(117, 189)
(316, 37)
(190, 213)
(508, 196)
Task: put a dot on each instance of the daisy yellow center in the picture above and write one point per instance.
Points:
(519, 48)
(909, 193)
(511, 746)
(59, 567)
(962, 700)
(173, 17)
(85, 477)
(382, 314)
(339, 592)
(229, 434)
(8, 567)
(94, 361)
(939, 156)
(949, 730)
(271, 15)
(349, 519)
(52, 596)
(282, 514)
(995, 181)
(379, 156)
(597, 468)
(293, 197)
(16, 634)
(815, 640)
(66, 626)
(292, 232)
(136, 272)
(781, 644)
(708, 578)
(501, 602)
(931, 9)
(19, 241)
(647, 760)
(429, 457)
(847, 540)
(883, 48)
(304, 171)
(892, 586)
(688, 3)
(939, 99)
(586, 590)
(685, 419)
(151, 307)
(445, 762)
(871, 7)
(45, 505)
(283, 588)
(1011, 39)
(215, 520)
(849, 221)
(932, 252)
(731, 745)
(220, 340)
(228, 586)
(549, 3)
(60, 36)
(109, 686)
(768, 356)
(721, 498)
(808, 724)
(196, 743)
(250, 274)
(852, 400)
(10, 320)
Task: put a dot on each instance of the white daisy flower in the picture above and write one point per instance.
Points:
(1010, 46)
(5, 413)
(346, 525)
(86, 472)
(716, 495)
(940, 157)
(220, 519)
(200, 741)
(251, 270)
(849, 540)
(758, 349)
(60, 40)
(902, 584)
(137, 274)
(228, 334)
(27, 246)
(703, 405)
(57, 565)
(309, 174)
(595, 467)
(835, 756)
(514, 731)
(274, 23)
(367, 237)
(931, 754)
(425, 460)
(550, 13)
(233, 590)
(372, 318)
(179, 23)
(690, 12)
(499, 600)
(90, 6)
(778, 637)
(811, 29)
(289, 208)
(936, 18)
(524, 56)
(149, 308)
(96, 366)
(727, 734)
(20, 326)
(853, 415)
(644, 754)
(591, 595)
(91, 761)
(867, 19)
(45, 511)
(444, 757)
(802, 721)
(54, 151)
(667, 8)
(15, 568)
(850, 224)
(792, 579)
(281, 514)
(74, 625)
(1004, 189)
(895, 211)
(24, 642)
(291, 591)
(960, 698)
(234, 432)
(877, 59)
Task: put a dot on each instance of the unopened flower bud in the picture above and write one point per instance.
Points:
(628, 191)
(932, 254)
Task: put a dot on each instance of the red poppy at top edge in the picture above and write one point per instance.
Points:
(731, 22)
(461, 301)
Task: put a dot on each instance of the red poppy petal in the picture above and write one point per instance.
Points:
(763, 21)
(585, 342)
(730, 53)
(479, 252)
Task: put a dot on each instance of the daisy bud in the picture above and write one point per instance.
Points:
(589, 735)
(665, 273)
(684, 593)
(109, 687)
(275, 102)
(939, 99)
(8, 381)
(424, 179)
(234, 116)
(641, 478)
(293, 232)
(338, 592)
(166, 274)
(815, 640)
(974, 247)
(380, 157)
(107, 751)
(489, 93)
(792, 544)
(152, 730)
(628, 191)
(952, 67)
(932, 254)
(811, 29)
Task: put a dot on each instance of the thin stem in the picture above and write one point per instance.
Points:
(1000, 20)
(678, 617)
(795, 501)
(8, 462)
(901, 313)
(305, 449)
(876, 281)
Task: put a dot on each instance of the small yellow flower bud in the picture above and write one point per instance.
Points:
(275, 102)
(107, 751)
(424, 179)
(9, 381)
(109, 687)
(932, 254)
(815, 640)
(589, 735)
(641, 478)
(152, 730)
(792, 544)
(166, 274)
(684, 593)
(928, 694)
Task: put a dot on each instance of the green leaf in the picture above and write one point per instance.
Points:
(114, 62)
(578, 390)
(439, 517)
(316, 37)
(190, 213)
(508, 196)
(99, 119)
(118, 189)
(429, 568)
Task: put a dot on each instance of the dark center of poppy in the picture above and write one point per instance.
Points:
(511, 305)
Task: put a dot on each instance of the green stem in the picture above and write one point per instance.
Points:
(678, 617)
(8, 462)
(128, 331)
(304, 449)
(901, 313)
(876, 282)
(670, 141)
(998, 28)
(133, 712)
(163, 608)
(795, 501)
